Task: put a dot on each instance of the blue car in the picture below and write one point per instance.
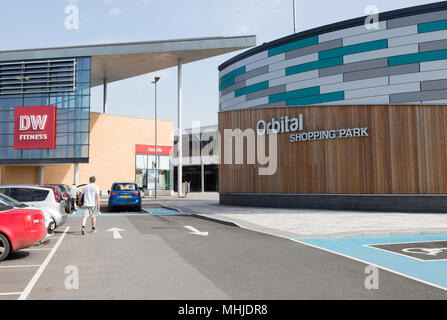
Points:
(124, 194)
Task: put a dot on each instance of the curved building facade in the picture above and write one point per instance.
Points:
(371, 101)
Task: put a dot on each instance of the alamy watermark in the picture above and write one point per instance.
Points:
(72, 279)
(72, 20)
(372, 280)
(372, 20)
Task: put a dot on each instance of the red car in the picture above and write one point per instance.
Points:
(19, 228)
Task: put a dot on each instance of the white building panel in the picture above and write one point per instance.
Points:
(377, 91)
(293, 62)
(266, 76)
(294, 78)
(385, 34)
(351, 85)
(344, 33)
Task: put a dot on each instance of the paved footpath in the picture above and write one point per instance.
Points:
(170, 256)
(303, 223)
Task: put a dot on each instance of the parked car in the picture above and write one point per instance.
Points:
(46, 198)
(63, 194)
(124, 194)
(19, 229)
(49, 223)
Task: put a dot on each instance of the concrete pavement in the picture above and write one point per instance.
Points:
(305, 223)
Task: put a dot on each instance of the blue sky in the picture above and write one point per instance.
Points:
(28, 24)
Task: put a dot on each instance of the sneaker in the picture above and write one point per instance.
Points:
(93, 231)
(83, 231)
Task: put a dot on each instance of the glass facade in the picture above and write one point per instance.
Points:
(73, 121)
(145, 174)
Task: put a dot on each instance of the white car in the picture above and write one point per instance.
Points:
(49, 223)
(45, 198)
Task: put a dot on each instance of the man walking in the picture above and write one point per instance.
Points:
(90, 194)
(73, 190)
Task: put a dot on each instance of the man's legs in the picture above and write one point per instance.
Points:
(94, 222)
(87, 211)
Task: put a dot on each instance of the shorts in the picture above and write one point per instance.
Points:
(89, 212)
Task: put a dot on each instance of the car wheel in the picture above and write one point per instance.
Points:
(51, 227)
(139, 209)
(5, 247)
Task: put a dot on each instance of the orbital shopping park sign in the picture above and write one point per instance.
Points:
(149, 149)
(294, 124)
(35, 127)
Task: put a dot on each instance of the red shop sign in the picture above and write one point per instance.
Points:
(35, 127)
(148, 149)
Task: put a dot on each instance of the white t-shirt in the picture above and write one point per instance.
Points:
(90, 191)
(73, 191)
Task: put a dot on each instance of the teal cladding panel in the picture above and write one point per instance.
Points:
(232, 74)
(312, 91)
(417, 57)
(320, 64)
(294, 45)
(327, 97)
(432, 26)
(254, 87)
(355, 48)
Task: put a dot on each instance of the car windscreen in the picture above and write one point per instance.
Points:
(4, 206)
(28, 194)
(10, 201)
(125, 187)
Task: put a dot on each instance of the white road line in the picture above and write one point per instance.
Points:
(42, 267)
(21, 266)
(9, 293)
(372, 264)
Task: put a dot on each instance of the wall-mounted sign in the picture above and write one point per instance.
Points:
(293, 124)
(35, 127)
(148, 149)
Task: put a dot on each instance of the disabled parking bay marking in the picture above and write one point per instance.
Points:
(418, 257)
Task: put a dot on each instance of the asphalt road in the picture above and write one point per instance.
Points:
(158, 258)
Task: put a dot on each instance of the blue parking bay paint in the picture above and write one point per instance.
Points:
(432, 272)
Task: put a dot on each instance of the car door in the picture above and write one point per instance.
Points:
(29, 196)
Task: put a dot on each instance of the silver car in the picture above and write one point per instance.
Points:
(45, 198)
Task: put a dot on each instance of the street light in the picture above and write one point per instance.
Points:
(156, 158)
(294, 16)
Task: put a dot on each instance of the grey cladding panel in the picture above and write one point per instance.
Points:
(253, 73)
(434, 95)
(314, 48)
(269, 105)
(412, 20)
(405, 97)
(432, 45)
(381, 72)
(234, 87)
(418, 96)
(266, 92)
(362, 65)
(434, 85)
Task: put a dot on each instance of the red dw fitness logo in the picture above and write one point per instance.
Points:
(35, 127)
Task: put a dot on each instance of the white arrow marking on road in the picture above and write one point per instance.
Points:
(116, 232)
(195, 231)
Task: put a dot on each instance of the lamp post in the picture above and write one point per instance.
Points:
(294, 16)
(156, 158)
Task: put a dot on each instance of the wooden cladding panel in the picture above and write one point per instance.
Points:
(405, 152)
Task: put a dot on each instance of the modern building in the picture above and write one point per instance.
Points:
(359, 111)
(48, 133)
(200, 158)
